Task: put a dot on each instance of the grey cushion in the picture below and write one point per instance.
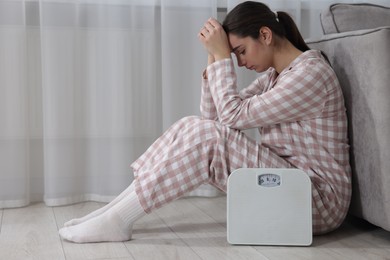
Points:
(350, 17)
(361, 60)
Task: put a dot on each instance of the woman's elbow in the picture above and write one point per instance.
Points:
(229, 120)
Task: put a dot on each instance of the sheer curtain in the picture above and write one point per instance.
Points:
(86, 86)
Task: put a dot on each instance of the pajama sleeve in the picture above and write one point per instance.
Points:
(299, 94)
(257, 86)
(207, 105)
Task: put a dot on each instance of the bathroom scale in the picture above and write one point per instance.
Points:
(269, 207)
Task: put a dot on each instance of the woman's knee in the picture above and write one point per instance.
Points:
(188, 120)
(197, 126)
(196, 122)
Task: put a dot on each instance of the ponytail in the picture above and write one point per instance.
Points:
(291, 31)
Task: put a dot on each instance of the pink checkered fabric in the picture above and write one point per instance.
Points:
(300, 115)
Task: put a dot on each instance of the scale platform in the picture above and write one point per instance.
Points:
(269, 207)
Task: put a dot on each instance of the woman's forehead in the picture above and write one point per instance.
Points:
(237, 41)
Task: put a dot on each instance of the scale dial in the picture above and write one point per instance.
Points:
(269, 180)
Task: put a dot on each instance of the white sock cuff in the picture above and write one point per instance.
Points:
(129, 209)
(131, 187)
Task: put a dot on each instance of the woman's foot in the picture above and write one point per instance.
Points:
(100, 211)
(115, 224)
(107, 227)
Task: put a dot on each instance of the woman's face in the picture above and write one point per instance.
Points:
(253, 54)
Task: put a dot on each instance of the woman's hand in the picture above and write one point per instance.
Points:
(214, 39)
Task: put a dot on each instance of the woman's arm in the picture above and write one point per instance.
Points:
(218, 48)
(207, 106)
(299, 95)
(258, 86)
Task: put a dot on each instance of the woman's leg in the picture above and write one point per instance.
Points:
(114, 224)
(103, 209)
(153, 153)
(193, 151)
(199, 151)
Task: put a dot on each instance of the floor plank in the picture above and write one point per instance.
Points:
(213, 207)
(90, 250)
(30, 233)
(153, 239)
(202, 233)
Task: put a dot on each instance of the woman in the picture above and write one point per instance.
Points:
(296, 104)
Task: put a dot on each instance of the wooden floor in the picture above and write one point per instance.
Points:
(191, 228)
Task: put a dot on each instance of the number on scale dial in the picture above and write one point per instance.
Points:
(269, 180)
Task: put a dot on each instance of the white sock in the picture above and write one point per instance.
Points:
(115, 224)
(103, 209)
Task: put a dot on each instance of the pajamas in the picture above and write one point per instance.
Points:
(301, 117)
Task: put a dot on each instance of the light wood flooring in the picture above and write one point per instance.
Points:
(190, 228)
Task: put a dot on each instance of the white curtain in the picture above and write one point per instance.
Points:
(87, 85)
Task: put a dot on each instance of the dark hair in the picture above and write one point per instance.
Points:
(248, 17)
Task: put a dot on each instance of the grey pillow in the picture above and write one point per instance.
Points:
(350, 17)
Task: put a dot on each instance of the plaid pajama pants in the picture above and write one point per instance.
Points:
(191, 152)
(194, 151)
